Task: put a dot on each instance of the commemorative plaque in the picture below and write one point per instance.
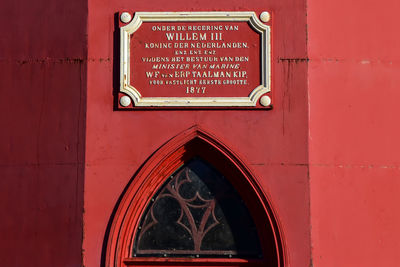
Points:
(195, 59)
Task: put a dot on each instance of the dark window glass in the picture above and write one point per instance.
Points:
(197, 213)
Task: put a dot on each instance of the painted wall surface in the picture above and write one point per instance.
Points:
(354, 146)
(341, 108)
(273, 143)
(42, 109)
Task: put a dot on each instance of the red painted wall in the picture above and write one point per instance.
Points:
(42, 112)
(335, 113)
(273, 143)
(354, 146)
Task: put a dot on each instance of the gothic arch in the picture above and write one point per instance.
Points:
(193, 142)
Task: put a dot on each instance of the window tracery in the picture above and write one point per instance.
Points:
(197, 213)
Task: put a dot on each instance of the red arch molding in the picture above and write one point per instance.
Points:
(173, 154)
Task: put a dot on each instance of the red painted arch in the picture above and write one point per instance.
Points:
(173, 154)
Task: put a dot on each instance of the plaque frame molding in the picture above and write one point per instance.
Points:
(240, 16)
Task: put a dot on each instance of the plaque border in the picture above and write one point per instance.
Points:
(235, 16)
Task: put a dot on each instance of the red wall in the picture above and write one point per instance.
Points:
(354, 132)
(273, 143)
(42, 109)
(333, 129)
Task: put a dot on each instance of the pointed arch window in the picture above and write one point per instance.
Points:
(197, 213)
(193, 203)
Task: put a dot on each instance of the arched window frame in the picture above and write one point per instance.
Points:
(165, 161)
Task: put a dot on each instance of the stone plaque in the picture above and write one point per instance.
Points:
(195, 59)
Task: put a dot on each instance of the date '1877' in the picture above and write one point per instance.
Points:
(195, 90)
